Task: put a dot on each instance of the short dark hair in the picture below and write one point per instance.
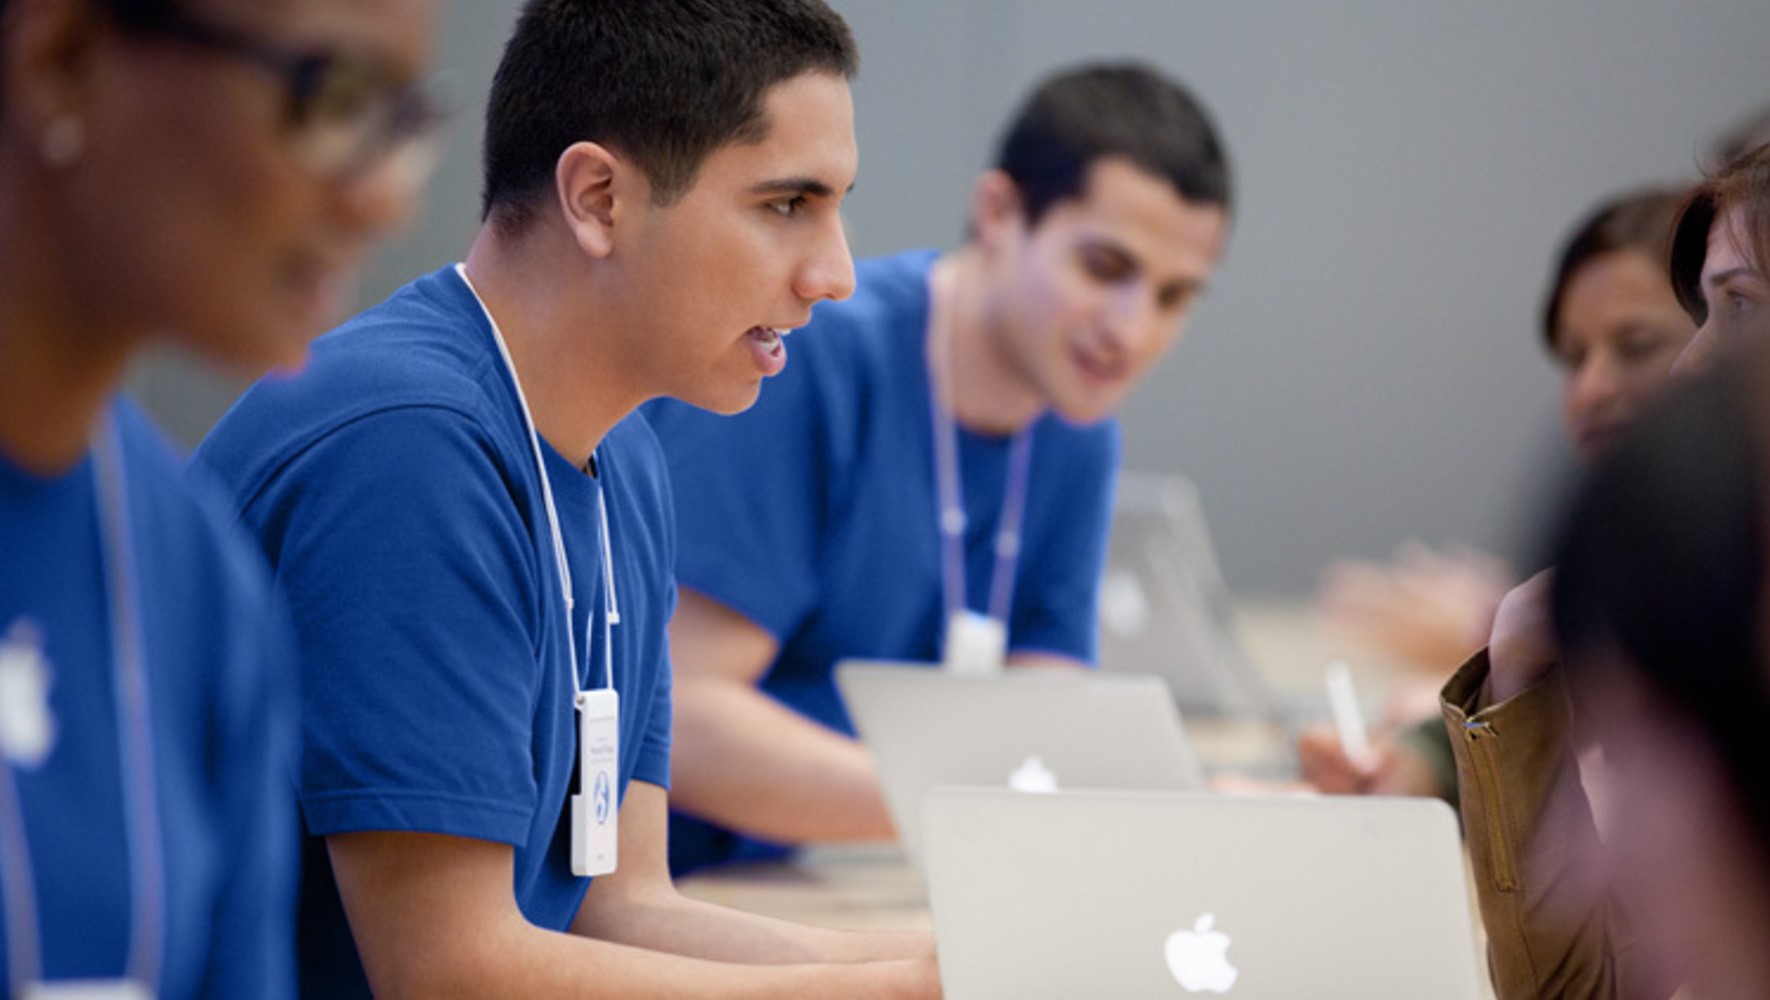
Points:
(666, 82)
(1742, 185)
(1661, 558)
(1093, 112)
(1640, 221)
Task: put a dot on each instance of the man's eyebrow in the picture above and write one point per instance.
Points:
(808, 186)
(1107, 244)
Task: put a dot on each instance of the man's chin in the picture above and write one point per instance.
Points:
(727, 401)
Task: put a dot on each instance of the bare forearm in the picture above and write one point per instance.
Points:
(668, 921)
(433, 916)
(530, 962)
(744, 761)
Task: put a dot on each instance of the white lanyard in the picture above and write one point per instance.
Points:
(147, 883)
(612, 614)
(594, 810)
(950, 498)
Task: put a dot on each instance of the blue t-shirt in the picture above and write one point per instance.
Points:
(221, 716)
(813, 513)
(393, 486)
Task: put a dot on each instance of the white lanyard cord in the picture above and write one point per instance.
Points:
(950, 489)
(611, 612)
(135, 749)
(146, 856)
(953, 519)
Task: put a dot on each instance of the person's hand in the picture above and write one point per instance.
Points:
(1242, 784)
(1522, 648)
(1428, 609)
(1393, 768)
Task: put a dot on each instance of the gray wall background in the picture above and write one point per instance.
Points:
(1366, 369)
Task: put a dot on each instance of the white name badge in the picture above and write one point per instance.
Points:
(975, 644)
(596, 807)
(87, 989)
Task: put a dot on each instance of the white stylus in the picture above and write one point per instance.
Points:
(1348, 719)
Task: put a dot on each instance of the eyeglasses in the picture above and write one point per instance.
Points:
(347, 111)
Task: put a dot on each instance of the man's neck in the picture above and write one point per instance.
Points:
(973, 373)
(575, 391)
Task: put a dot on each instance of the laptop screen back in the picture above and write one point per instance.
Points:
(1150, 895)
(1037, 729)
(1164, 608)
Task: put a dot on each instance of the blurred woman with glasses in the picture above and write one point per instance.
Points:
(204, 173)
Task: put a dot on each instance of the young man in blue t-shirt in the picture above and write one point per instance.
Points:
(956, 399)
(477, 542)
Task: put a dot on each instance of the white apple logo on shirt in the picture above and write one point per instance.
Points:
(1196, 958)
(27, 726)
(1033, 776)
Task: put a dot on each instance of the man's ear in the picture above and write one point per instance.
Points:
(997, 213)
(48, 53)
(593, 186)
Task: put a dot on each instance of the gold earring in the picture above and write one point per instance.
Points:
(64, 142)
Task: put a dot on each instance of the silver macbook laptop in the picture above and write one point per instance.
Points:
(1026, 729)
(1164, 608)
(1138, 895)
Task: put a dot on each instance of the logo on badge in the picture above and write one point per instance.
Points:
(602, 797)
(1033, 776)
(27, 726)
(1197, 960)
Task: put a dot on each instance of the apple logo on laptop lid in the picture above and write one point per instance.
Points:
(1197, 960)
(1033, 776)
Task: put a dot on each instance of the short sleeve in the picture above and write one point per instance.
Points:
(750, 500)
(409, 569)
(1057, 595)
(653, 763)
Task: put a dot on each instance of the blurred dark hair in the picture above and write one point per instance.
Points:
(1640, 221)
(1661, 558)
(136, 13)
(1094, 112)
(665, 82)
(1742, 185)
